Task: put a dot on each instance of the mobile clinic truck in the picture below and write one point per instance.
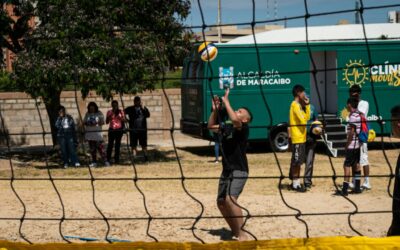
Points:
(341, 58)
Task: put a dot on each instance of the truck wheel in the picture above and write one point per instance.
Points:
(280, 141)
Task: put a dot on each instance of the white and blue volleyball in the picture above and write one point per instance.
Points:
(207, 51)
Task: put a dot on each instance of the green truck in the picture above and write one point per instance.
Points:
(339, 64)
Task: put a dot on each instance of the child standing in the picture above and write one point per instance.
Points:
(352, 147)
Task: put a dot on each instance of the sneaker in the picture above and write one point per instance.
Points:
(93, 165)
(366, 185)
(216, 161)
(299, 189)
(307, 186)
(107, 164)
(77, 165)
(344, 192)
(357, 191)
(65, 165)
(351, 185)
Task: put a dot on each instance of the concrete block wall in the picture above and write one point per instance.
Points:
(21, 114)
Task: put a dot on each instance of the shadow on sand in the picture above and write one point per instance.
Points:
(264, 147)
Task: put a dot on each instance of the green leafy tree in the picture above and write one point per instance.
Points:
(110, 46)
(13, 29)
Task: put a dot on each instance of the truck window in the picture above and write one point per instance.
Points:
(195, 71)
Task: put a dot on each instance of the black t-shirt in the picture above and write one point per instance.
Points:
(234, 146)
(137, 117)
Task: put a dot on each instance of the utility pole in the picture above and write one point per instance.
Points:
(357, 17)
(219, 22)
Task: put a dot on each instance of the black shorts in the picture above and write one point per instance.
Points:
(231, 183)
(135, 137)
(352, 157)
(298, 154)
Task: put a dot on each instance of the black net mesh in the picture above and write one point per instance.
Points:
(186, 182)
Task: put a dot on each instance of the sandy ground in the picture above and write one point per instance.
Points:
(121, 200)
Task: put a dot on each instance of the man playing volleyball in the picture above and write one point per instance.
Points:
(235, 169)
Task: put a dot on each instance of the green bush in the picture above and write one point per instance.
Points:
(6, 82)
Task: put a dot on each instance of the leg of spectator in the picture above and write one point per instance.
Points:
(308, 170)
(100, 148)
(111, 138)
(72, 151)
(118, 137)
(63, 148)
(216, 150)
(92, 146)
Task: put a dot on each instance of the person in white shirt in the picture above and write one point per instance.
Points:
(351, 162)
(94, 120)
(363, 107)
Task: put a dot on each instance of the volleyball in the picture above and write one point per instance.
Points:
(371, 135)
(207, 51)
(316, 127)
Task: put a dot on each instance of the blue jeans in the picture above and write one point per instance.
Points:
(216, 146)
(68, 150)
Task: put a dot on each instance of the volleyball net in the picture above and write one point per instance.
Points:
(200, 213)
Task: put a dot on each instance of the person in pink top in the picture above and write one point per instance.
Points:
(116, 118)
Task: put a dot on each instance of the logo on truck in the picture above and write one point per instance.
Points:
(389, 73)
(357, 73)
(226, 78)
(268, 77)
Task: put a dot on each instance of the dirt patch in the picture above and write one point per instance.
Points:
(123, 204)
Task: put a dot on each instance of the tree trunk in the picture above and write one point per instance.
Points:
(52, 104)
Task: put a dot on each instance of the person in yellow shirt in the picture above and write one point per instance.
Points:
(299, 114)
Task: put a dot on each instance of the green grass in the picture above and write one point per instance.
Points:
(173, 80)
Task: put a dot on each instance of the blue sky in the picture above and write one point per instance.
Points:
(235, 11)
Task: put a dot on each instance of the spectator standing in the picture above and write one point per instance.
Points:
(137, 117)
(299, 114)
(221, 117)
(66, 137)
(352, 159)
(363, 107)
(94, 120)
(115, 118)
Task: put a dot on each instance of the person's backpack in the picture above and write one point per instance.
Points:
(364, 129)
